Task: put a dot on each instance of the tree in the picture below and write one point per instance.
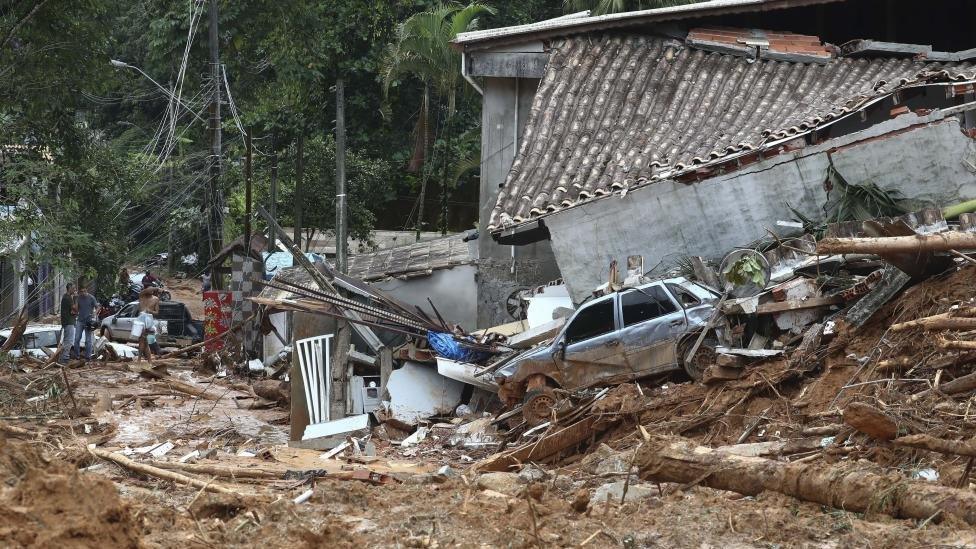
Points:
(601, 7)
(423, 51)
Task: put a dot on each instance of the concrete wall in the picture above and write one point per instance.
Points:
(505, 111)
(454, 291)
(927, 158)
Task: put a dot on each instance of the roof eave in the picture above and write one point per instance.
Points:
(562, 27)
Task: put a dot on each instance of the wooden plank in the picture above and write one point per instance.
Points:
(794, 305)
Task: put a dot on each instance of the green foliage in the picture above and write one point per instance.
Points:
(860, 202)
(745, 270)
(93, 194)
(601, 7)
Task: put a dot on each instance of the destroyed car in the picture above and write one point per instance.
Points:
(177, 325)
(626, 335)
(40, 341)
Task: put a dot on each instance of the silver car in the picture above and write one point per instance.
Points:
(620, 337)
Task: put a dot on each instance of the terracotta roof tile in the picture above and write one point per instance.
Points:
(619, 111)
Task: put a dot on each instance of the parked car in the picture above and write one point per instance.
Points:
(177, 327)
(627, 335)
(40, 337)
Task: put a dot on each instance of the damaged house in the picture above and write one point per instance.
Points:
(692, 130)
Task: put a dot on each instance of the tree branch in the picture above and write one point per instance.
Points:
(20, 23)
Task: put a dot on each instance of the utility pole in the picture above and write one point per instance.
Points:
(340, 151)
(215, 206)
(247, 192)
(274, 191)
(299, 188)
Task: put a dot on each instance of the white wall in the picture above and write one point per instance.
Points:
(666, 220)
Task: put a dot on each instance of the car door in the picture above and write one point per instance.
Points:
(651, 320)
(122, 324)
(592, 348)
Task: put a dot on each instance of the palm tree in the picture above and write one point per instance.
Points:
(601, 7)
(423, 51)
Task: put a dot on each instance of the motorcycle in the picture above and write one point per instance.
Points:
(135, 288)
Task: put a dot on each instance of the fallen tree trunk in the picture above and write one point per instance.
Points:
(941, 242)
(928, 442)
(12, 431)
(956, 386)
(946, 323)
(961, 313)
(870, 421)
(852, 487)
(171, 383)
(956, 345)
(159, 473)
(221, 470)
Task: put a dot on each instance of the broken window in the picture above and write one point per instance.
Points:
(595, 320)
(686, 298)
(645, 304)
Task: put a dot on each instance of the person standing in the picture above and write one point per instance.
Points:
(87, 310)
(124, 282)
(69, 315)
(148, 309)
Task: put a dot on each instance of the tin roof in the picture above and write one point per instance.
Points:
(615, 112)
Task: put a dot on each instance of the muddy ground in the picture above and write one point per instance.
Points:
(57, 494)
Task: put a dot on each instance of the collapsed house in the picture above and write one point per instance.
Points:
(669, 133)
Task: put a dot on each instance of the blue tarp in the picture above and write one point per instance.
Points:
(446, 346)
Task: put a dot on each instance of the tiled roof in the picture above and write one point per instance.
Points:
(419, 259)
(614, 112)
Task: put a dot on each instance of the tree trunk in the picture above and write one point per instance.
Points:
(927, 442)
(941, 242)
(958, 385)
(160, 473)
(962, 313)
(852, 487)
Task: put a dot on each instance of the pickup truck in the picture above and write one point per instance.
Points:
(178, 327)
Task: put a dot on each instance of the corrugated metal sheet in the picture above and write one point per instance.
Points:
(615, 112)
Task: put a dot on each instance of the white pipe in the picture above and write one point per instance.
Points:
(464, 73)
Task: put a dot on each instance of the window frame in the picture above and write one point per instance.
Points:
(645, 290)
(614, 316)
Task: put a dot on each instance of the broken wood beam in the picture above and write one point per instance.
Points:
(928, 442)
(798, 304)
(159, 473)
(851, 487)
(943, 323)
(939, 242)
(870, 421)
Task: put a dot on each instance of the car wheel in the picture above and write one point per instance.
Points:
(538, 404)
(695, 366)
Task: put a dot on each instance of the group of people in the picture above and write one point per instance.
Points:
(79, 317)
